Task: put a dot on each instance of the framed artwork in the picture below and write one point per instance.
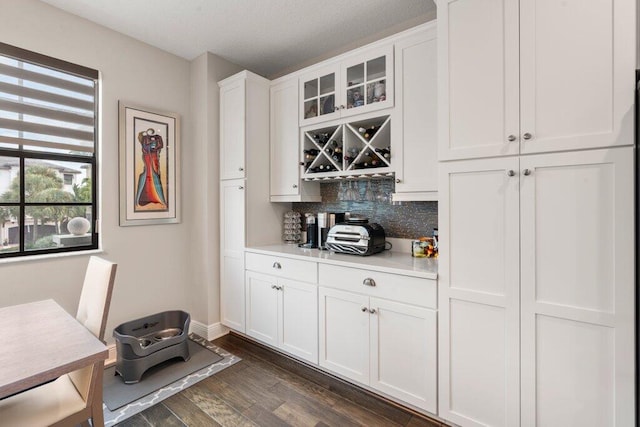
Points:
(149, 166)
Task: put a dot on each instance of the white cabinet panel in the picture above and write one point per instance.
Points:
(577, 286)
(344, 333)
(573, 204)
(415, 135)
(232, 293)
(285, 152)
(478, 89)
(261, 299)
(232, 130)
(403, 352)
(483, 221)
(298, 321)
(584, 99)
(288, 268)
(478, 280)
(412, 290)
(586, 397)
(283, 313)
(232, 238)
(477, 360)
(560, 339)
(508, 86)
(232, 197)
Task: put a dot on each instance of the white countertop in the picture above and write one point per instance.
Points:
(386, 262)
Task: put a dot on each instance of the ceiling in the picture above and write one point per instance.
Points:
(269, 37)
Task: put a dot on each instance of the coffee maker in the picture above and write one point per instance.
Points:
(326, 220)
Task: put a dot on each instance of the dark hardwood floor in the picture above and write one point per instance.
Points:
(268, 389)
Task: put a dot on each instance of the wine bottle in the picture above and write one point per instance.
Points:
(384, 152)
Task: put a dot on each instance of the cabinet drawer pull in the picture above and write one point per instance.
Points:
(277, 265)
(364, 309)
(369, 282)
(372, 310)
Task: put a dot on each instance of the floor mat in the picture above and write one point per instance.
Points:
(162, 381)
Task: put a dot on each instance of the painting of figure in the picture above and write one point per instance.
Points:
(149, 160)
(149, 189)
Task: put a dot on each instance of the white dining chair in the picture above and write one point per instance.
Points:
(70, 399)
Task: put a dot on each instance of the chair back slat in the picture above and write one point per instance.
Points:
(95, 298)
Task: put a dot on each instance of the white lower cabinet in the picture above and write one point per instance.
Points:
(232, 238)
(536, 288)
(344, 333)
(385, 344)
(283, 313)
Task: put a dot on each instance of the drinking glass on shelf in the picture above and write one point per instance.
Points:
(342, 191)
(354, 191)
(369, 194)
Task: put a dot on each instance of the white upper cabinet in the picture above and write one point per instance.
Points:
(534, 76)
(232, 130)
(285, 183)
(415, 134)
(358, 84)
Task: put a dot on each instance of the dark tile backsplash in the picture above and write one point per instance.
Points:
(408, 220)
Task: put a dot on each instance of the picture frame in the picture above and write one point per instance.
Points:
(149, 162)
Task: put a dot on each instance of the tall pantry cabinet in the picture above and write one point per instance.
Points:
(246, 215)
(536, 202)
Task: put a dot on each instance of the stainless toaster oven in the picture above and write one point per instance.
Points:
(357, 239)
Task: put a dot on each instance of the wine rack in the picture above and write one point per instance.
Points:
(352, 149)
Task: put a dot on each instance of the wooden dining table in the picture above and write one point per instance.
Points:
(40, 341)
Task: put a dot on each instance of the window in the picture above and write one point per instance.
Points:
(68, 179)
(48, 145)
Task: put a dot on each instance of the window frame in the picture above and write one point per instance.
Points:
(22, 154)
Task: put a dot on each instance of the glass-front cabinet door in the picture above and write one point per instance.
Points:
(318, 94)
(367, 82)
(357, 84)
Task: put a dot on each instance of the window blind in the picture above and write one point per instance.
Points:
(51, 105)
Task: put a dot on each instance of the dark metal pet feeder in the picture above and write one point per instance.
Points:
(146, 342)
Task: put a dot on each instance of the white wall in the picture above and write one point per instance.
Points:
(159, 267)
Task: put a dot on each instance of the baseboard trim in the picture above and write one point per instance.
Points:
(112, 356)
(209, 332)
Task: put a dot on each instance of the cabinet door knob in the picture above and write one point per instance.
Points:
(295, 185)
(526, 172)
(274, 287)
(511, 138)
(372, 310)
(364, 309)
(511, 172)
(527, 136)
(240, 169)
(398, 181)
(277, 265)
(241, 188)
(342, 107)
(369, 282)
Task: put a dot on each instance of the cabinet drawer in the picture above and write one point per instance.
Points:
(305, 271)
(408, 289)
